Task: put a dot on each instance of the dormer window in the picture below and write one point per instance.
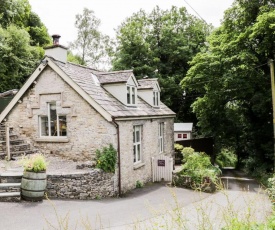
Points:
(155, 98)
(131, 95)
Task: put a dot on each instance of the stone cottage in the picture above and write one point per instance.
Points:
(72, 110)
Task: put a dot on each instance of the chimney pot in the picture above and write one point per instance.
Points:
(56, 39)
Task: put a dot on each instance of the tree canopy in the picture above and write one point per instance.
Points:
(232, 81)
(160, 44)
(91, 45)
(22, 34)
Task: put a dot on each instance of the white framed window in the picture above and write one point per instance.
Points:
(137, 143)
(52, 124)
(161, 136)
(131, 95)
(155, 98)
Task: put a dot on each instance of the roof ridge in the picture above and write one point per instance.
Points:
(71, 63)
(118, 71)
(148, 79)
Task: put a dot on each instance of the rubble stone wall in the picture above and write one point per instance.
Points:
(94, 184)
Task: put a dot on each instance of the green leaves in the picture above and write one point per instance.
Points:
(160, 44)
(17, 57)
(232, 80)
(106, 159)
(91, 45)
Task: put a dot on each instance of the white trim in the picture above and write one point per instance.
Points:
(81, 92)
(66, 78)
(20, 93)
(143, 118)
(137, 143)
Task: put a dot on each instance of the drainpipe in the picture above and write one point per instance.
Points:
(118, 153)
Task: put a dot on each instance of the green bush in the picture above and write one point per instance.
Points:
(198, 166)
(226, 158)
(106, 159)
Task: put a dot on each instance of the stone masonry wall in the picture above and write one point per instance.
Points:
(94, 184)
(87, 130)
(130, 172)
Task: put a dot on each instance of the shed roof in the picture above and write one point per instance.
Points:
(183, 127)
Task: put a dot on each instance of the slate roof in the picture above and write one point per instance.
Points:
(83, 77)
(183, 127)
(147, 83)
(114, 77)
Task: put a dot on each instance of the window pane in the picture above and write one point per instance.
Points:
(44, 126)
(179, 136)
(135, 154)
(157, 98)
(138, 135)
(138, 152)
(133, 95)
(62, 126)
(184, 135)
(53, 120)
(128, 95)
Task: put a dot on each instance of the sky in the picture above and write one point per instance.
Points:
(59, 15)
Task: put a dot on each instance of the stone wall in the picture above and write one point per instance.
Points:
(94, 184)
(142, 172)
(87, 130)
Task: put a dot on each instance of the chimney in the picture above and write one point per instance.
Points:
(56, 51)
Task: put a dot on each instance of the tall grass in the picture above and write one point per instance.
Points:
(226, 210)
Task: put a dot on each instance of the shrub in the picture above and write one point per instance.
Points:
(226, 158)
(34, 163)
(198, 166)
(106, 159)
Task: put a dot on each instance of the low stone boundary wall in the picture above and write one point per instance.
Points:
(93, 184)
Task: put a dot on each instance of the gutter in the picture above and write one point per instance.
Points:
(118, 153)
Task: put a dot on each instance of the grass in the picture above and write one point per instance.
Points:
(226, 210)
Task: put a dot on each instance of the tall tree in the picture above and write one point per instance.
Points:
(91, 45)
(22, 34)
(160, 44)
(232, 80)
(17, 57)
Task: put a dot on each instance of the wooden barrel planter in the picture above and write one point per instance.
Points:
(33, 185)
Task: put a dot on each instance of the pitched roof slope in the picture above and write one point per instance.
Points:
(114, 77)
(147, 83)
(82, 76)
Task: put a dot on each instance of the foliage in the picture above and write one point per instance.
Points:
(226, 158)
(139, 184)
(34, 163)
(91, 45)
(17, 57)
(178, 147)
(231, 79)
(22, 35)
(106, 159)
(271, 189)
(159, 45)
(198, 166)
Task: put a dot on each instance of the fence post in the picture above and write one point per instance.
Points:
(8, 143)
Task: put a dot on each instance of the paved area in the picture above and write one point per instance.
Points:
(155, 206)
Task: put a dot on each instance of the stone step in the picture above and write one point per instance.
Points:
(9, 185)
(16, 147)
(10, 194)
(11, 175)
(17, 153)
(13, 142)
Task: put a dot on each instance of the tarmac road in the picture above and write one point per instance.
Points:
(141, 207)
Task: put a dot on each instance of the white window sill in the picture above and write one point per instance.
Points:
(53, 139)
(138, 165)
